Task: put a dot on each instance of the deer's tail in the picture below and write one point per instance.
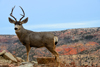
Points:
(55, 40)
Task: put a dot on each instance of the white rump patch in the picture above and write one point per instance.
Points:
(55, 39)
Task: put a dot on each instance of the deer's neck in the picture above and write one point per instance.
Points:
(21, 32)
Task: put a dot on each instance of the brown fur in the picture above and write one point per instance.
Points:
(35, 39)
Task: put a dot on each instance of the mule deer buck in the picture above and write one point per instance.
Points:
(34, 39)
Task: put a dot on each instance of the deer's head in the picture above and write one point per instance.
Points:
(18, 24)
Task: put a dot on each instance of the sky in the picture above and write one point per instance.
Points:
(50, 15)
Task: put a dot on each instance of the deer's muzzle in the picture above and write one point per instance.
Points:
(15, 28)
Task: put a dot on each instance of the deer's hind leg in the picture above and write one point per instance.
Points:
(52, 50)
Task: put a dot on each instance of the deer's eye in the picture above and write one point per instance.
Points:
(19, 23)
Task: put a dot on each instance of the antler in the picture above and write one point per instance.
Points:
(12, 12)
(21, 14)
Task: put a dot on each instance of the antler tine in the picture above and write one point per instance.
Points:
(12, 12)
(21, 14)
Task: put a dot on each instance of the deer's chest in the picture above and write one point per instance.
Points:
(24, 40)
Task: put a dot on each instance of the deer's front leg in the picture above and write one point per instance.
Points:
(28, 50)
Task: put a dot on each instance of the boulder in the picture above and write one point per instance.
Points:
(19, 59)
(4, 65)
(46, 60)
(9, 56)
(3, 52)
(26, 64)
(34, 62)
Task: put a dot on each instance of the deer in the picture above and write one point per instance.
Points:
(34, 39)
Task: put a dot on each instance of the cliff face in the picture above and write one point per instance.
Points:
(75, 35)
(72, 41)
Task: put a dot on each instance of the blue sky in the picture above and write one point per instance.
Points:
(51, 15)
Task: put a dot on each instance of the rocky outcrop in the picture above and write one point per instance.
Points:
(7, 57)
(3, 52)
(26, 64)
(9, 60)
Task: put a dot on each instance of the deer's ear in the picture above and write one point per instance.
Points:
(25, 20)
(11, 20)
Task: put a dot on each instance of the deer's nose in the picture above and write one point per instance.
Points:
(15, 28)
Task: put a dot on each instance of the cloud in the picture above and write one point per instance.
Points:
(69, 25)
(56, 26)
